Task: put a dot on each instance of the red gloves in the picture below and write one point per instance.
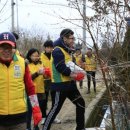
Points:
(79, 76)
(47, 72)
(37, 116)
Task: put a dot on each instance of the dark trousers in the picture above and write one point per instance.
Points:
(29, 114)
(58, 100)
(21, 126)
(81, 83)
(91, 74)
(47, 84)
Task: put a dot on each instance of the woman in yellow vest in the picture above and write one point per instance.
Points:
(90, 62)
(37, 72)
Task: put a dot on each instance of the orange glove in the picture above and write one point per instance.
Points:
(79, 76)
(37, 116)
(47, 72)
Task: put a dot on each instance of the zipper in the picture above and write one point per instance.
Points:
(8, 89)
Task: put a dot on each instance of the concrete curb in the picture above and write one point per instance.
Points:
(90, 109)
(93, 103)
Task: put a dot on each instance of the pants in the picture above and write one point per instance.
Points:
(47, 84)
(81, 83)
(29, 114)
(21, 126)
(58, 100)
(91, 74)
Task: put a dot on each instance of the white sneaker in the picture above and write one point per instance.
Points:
(57, 121)
(43, 121)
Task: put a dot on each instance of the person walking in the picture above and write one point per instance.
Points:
(63, 80)
(15, 82)
(90, 62)
(45, 58)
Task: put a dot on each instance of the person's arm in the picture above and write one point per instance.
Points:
(34, 75)
(59, 62)
(37, 116)
(28, 82)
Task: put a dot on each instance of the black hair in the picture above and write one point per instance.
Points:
(30, 52)
(66, 33)
(48, 43)
(16, 35)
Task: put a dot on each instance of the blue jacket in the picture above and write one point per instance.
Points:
(59, 62)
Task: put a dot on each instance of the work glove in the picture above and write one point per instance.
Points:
(47, 72)
(77, 73)
(37, 115)
(78, 76)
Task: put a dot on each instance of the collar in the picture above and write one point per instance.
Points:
(15, 58)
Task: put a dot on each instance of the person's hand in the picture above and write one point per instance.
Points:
(78, 76)
(41, 71)
(37, 116)
(47, 72)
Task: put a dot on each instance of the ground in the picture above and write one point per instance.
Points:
(67, 113)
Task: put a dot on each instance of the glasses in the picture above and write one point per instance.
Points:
(35, 56)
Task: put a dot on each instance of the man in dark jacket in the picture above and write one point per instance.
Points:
(63, 80)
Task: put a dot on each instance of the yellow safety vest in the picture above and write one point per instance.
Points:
(12, 87)
(56, 76)
(45, 60)
(78, 59)
(38, 81)
(90, 63)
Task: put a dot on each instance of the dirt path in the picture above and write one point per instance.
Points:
(67, 113)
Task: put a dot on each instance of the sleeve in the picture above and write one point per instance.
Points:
(28, 82)
(36, 112)
(59, 62)
(35, 75)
